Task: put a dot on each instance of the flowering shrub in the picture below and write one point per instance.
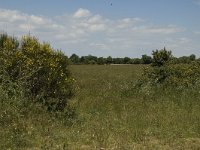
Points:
(44, 72)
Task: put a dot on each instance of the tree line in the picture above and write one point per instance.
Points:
(145, 59)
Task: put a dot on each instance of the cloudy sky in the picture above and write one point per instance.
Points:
(116, 28)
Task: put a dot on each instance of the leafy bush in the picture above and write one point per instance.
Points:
(146, 59)
(160, 57)
(43, 72)
(164, 73)
(184, 75)
(13, 107)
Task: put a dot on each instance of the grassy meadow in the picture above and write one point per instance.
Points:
(110, 114)
(115, 116)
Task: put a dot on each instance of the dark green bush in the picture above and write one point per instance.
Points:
(160, 57)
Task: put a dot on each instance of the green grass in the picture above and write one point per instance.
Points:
(115, 117)
(111, 114)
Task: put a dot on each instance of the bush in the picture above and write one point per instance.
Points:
(177, 75)
(160, 57)
(146, 59)
(13, 107)
(43, 72)
(166, 74)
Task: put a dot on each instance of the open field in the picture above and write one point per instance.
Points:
(113, 116)
(116, 118)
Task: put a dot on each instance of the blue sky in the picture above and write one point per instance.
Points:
(125, 28)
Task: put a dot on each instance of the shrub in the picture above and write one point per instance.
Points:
(74, 59)
(165, 73)
(177, 75)
(146, 59)
(160, 57)
(44, 72)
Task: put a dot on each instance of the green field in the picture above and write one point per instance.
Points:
(114, 117)
(111, 114)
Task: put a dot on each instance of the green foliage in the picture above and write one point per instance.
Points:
(44, 72)
(166, 72)
(25, 124)
(101, 61)
(136, 61)
(175, 75)
(192, 57)
(7, 42)
(114, 115)
(111, 115)
(35, 86)
(160, 57)
(13, 132)
(74, 58)
(183, 59)
(109, 60)
(88, 59)
(118, 60)
(146, 59)
(127, 60)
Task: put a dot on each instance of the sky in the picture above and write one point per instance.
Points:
(116, 28)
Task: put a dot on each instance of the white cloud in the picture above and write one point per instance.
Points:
(38, 20)
(11, 15)
(82, 13)
(170, 29)
(128, 22)
(94, 33)
(95, 19)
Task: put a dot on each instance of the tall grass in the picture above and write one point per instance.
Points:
(111, 114)
(25, 124)
(114, 115)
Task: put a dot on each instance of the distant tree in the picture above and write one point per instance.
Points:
(160, 57)
(92, 62)
(74, 58)
(109, 60)
(127, 60)
(146, 59)
(82, 60)
(118, 60)
(174, 60)
(101, 61)
(192, 57)
(136, 61)
(184, 59)
(86, 60)
(90, 59)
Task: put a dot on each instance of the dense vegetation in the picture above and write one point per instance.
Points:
(43, 72)
(165, 72)
(117, 113)
(155, 106)
(33, 78)
(145, 59)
